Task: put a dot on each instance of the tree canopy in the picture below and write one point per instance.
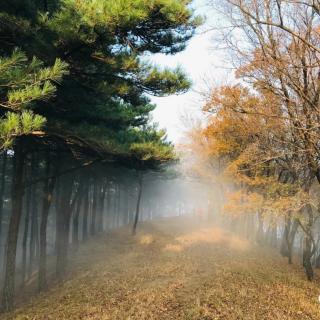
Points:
(105, 45)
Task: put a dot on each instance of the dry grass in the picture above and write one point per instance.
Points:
(177, 269)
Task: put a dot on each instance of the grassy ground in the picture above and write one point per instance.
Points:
(177, 269)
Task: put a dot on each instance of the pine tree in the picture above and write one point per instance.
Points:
(105, 44)
(88, 92)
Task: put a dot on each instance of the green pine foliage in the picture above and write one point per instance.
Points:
(13, 125)
(21, 83)
(104, 99)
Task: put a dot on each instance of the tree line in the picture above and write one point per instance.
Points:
(63, 210)
(75, 82)
(262, 134)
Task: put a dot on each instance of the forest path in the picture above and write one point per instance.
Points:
(176, 268)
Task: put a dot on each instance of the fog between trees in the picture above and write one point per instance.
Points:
(60, 213)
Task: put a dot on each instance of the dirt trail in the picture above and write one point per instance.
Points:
(177, 269)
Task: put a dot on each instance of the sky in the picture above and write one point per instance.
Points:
(203, 66)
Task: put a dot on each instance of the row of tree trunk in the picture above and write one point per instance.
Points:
(51, 208)
(290, 236)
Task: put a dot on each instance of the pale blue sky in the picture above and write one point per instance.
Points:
(202, 64)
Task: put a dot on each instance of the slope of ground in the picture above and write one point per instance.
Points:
(177, 269)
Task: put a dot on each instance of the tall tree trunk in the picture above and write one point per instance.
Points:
(290, 239)
(57, 207)
(308, 249)
(116, 206)
(63, 224)
(317, 260)
(284, 242)
(136, 218)
(126, 206)
(75, 221)
(260, 233)
(16, 211)
(102, 195)
(114, 210)
(85, 214)
(34, 233)
(119, 213)
(274, 235)
(94, 207)
(46, 203)
(25, 236)
(2, 190)
(108, 210)
(307, 256)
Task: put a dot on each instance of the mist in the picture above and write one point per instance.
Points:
(111, 221)
(84, 203)
(102, 216)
